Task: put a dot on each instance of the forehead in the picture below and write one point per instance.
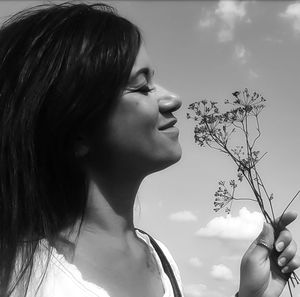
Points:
(142, 61)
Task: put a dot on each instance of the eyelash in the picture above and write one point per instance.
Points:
(145, 90)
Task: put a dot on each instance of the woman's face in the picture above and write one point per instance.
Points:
(140, 134)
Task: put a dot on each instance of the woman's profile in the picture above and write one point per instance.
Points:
(82, 124)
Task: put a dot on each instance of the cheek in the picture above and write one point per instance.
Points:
(134, 124)
(140, 119)
(146, 113)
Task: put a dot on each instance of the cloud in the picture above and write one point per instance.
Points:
(241, 54)
(183, 216)
(226, 15)
(207, 19)
(221, 272)
(292, 13)
(246, 226)
(194, 261)
(195, 290)
(229, 12)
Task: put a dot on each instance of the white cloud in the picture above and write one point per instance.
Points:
(292, 13)
(194, 261)
(241, 54)
(246, 226)
(229, 12)
(183, 216)
(195, 290)
(221, 272)
(207, 19)
(225, 34)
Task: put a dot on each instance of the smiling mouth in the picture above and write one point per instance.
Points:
(168, 125)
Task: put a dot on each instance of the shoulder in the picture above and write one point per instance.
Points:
(169, 257)
(59, 278)
(172, 262)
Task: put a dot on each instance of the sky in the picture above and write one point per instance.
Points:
(207, 50)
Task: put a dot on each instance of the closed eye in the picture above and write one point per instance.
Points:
(141, 81)
(145, 90)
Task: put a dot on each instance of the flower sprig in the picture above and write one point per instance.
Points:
(225, 195)
(235, 132)
(219, 130)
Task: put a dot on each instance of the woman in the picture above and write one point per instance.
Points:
(82, 123)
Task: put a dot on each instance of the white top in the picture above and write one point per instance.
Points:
(64, 279)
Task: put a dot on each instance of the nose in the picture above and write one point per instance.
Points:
(167, 101)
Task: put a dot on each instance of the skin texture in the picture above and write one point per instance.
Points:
(133, 136)
(261, 267)
(139, 138)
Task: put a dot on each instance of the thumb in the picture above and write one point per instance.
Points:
(263, 244)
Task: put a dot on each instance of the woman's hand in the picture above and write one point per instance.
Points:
(267, 265)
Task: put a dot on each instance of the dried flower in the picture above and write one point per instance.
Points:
(215, 129)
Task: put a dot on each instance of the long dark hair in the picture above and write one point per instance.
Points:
(60, 66)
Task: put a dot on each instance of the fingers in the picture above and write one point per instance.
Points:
(285, 219)
(283, 240)
(288, 260)
(263, 244)
(292, 265)
(286, 247)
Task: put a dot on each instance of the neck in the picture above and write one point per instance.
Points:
(109, 216)
(110, 204)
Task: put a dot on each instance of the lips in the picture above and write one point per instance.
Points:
(168, 124)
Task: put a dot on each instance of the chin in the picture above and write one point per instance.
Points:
(176, 156)
(171, 158)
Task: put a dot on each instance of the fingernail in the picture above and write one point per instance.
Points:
(282, 261)
(285, 269)
(280, 246)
